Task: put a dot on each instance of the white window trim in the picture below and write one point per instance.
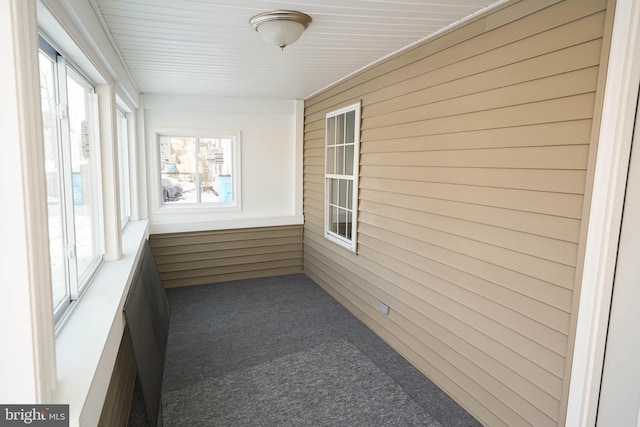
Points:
(605, 215)
(78, 283)
(346, 243)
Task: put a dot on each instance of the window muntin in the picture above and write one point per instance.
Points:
(198, 170)
(341, 175)
(72, 170)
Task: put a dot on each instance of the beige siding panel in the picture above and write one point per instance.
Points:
(467, 357)
(555, 227)
(380, 273)
(539, 353)
(448, 266)
(230, 250)
(314, 161)
(563, 205)
(551, 180)
(245, 257)
(243, 274)
(460, 299)
(558, 62)
(317, 187)
(563, 85)
(558, 133)
(433, 73)
(555, 273)
(213, 269)
(474, 165)
(562, 109)
(197, 258)
(314, 152)
(548, 157)
(550, 249)
(536, 289)
(221, 236)
(431, 317)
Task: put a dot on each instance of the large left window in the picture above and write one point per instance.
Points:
(72, 173)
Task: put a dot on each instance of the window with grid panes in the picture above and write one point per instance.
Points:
(342, 148)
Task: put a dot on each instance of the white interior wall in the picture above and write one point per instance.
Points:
(269, 161)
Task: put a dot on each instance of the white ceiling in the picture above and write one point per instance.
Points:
(208, 47)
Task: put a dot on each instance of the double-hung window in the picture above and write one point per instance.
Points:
(342, 155)
(200, 170)
(72, 173)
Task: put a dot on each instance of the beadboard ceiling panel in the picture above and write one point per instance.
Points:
(207, 47)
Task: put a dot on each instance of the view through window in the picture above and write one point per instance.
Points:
(71, 166)
(198, 170)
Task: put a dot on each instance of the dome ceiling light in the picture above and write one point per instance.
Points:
(280, 27)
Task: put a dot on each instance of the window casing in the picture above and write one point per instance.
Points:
(74, 198)
(342, 156)
(199, 170)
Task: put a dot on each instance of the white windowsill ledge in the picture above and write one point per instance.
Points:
(87, 345)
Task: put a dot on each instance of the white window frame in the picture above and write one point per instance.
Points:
(76, 282)
(349, 243)
(156, 185)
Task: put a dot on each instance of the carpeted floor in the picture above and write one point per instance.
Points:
(281, 352)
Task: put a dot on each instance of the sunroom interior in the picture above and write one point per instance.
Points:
(467, 164)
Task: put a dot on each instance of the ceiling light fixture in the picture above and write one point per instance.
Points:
(280, 27)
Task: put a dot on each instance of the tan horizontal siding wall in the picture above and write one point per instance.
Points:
(198, 258)
(474, 169)
(117, 403)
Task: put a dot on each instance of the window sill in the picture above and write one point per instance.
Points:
(87, 345)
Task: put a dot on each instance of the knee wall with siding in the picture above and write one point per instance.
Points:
(198, 258)
(476, 155)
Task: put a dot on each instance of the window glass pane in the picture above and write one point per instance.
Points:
(340, 127)
(345, 199)
(334, 220)
(197, 170)
(335, 192)
(331, 160)
(53, 177)
(178, 167)
(340, 160)
(216, 167)
(350, 124)
(348, 159)
(331, 131)
(82, 174)
(349, 225)
(123, 166)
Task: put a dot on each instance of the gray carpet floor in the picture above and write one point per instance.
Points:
(282, 352)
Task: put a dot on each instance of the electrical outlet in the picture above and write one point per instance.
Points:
(384, 309)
